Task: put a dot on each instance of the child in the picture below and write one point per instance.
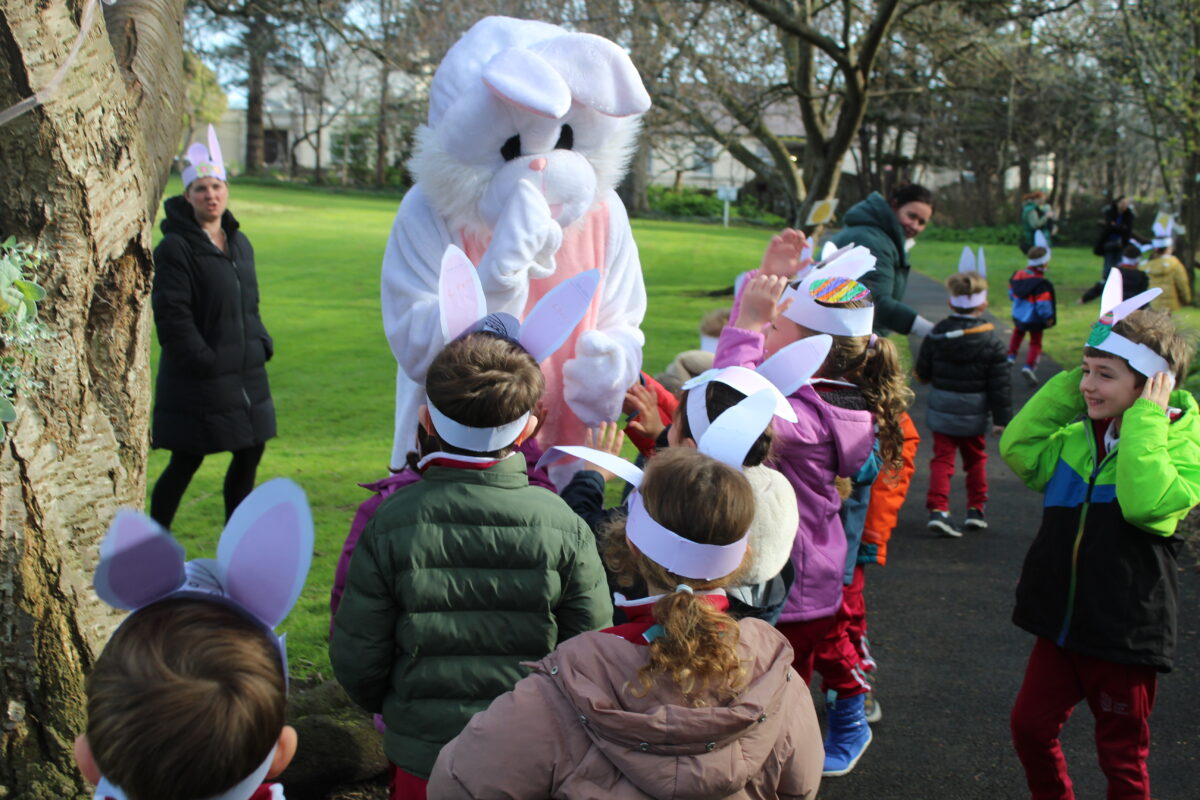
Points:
(1033, 308)
(1099, 584)
(1165, 271)
(858, 387)
(189, 695)
(1133, 280)
(682, 700)
(460, 577)
(691, 363)
(966, 363)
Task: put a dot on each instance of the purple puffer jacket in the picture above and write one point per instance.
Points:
(824, 443)
(382, 490)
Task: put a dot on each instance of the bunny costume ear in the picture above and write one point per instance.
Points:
(460, 293)
(599, 74)
(968, 263)
(794, 365)
(1163, 225)
(528, 81)
(552, 319)
(204, 162)
(658, 543)
(139, 562)
(746, 381)
(834, 281)
(1113, 309)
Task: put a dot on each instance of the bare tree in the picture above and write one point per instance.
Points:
(80, 177)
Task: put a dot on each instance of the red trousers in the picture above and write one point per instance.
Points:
(805, 637)
(1035, 346)
(1120, 697)
(837, 658)
(405, 785)
(941, 470)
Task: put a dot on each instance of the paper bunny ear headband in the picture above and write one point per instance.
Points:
(1113, 309)
(727, 439)
(1163, 227)
(204, 162)
(545, 329)
(780, 375)
(834, 280)
(263, 559)
(969, 263)
(1040, 240)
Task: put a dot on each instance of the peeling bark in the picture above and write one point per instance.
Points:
(81, 177)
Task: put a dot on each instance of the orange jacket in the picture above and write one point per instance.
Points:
(887, 496)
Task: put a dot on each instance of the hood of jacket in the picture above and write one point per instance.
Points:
(658, 742)
(875, 212)
(774, 528)
(179, 219)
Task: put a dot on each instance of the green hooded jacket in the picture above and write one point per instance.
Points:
(1101, 577)
(457, 579)
(873, 224)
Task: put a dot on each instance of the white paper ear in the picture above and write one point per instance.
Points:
(460, 294)
(1114, 292)
(849, 262)
(598, 72)
(1163, 223)
(1040, 240)
(1127, 307)
(266, 550)
(981, 265)
(618, 466)
(966, 262)
(528, 81)
(551, 321)
(830, 250)
(196, 154)
(139, 562)
(734, 432)
(794, 365)
(214, 149)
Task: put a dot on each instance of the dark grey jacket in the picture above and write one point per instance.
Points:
(970, 377)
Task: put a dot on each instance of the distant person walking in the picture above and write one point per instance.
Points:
(212, 394)
(1115, 232)
(1036, 215)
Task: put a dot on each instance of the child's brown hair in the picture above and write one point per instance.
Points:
(1035, 253)
(185, 701)
(1156, 330)
(483, 381)
(706, 501)
(714, 322)
(719, 397)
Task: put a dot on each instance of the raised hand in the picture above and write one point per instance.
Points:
(760, 302)
(782, 256)
(607, 437)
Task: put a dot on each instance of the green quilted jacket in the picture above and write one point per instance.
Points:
(1101, 577)
(456, 580)
(874, 225)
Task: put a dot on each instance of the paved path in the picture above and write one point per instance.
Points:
(951, 661)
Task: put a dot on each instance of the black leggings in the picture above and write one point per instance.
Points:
(168, 491)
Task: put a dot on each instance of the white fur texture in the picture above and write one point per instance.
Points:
(774, 529)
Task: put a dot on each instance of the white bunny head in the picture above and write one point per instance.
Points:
(522, 100)
(262, 561)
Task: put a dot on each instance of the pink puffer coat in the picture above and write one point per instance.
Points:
(573, 729)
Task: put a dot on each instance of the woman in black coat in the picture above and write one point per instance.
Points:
(212, 394)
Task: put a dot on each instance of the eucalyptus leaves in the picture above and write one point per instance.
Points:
(20, 330)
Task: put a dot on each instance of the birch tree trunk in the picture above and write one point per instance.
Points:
(80, 176)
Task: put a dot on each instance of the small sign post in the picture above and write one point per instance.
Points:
(729, 195)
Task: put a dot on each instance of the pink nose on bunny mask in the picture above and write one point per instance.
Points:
(564, 177)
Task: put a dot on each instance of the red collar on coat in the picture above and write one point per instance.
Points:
(640, 614)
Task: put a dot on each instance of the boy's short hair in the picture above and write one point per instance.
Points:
(186, 700)
(714, 322)
(1035, 252)
(483, 381)
(1156, 330)
(1132, 251)
(961, 284)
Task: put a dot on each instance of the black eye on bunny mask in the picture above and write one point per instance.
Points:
(511, 148)
(566, 139)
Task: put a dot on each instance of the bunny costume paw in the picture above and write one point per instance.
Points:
(531, 127)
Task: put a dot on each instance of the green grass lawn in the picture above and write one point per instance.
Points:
(318, 258)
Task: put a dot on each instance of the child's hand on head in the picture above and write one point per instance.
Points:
(782, 256)
(644, 405)
(1158, 390)
(759, 300)
(608, 438)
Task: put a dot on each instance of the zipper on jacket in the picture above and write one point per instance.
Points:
(1087, 501)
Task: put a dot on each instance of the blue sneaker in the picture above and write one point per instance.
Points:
(847, 735)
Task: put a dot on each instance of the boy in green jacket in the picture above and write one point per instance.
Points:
(1117, 454)
(462, 576)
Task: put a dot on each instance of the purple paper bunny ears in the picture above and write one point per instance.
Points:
(262, 561)
(204, 162)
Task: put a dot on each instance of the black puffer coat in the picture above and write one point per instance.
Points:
(969, 373)
(212, 394)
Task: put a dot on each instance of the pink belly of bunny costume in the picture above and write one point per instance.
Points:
(584, 247)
